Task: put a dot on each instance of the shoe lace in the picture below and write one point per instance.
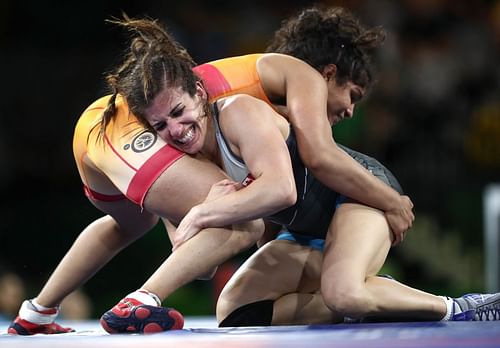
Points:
(128, 303)
(488, 312)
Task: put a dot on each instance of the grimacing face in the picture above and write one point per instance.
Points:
(179, 119)
(342, 99)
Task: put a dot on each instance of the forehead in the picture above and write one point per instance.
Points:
(347, 87)
(165, 101)
(169, 95)
(355, 87)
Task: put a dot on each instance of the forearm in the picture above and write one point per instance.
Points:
(261, 198)
(339, 171)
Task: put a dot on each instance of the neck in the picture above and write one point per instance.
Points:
(210, 149)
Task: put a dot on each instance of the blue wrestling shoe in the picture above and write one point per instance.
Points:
(132, 316)
(476, 307)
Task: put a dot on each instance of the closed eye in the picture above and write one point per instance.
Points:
(356, 97)
(159, 126)
(177, 112)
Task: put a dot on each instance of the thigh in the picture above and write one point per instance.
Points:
(183, 185)
(278, 268)
(129, 217)
(356, 246)
(375, 167)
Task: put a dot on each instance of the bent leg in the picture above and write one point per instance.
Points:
(126, 222)
(356, 248)
(303, 308)
(200, 255)
(171, 196)
(94, 247)
(286, 273)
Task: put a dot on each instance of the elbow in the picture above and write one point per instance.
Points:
(319, 161)
(313, 163)
(291, 197)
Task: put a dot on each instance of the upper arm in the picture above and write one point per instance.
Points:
(249, 125)
(306, 93)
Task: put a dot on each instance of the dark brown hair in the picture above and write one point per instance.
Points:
(330, 35)
(153, 61)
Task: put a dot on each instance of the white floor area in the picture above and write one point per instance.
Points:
(92, 326)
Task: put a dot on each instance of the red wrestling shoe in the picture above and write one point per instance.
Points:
(23, 327)
(132, 316)
(32, 321)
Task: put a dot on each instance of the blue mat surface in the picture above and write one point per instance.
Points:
(203, 332)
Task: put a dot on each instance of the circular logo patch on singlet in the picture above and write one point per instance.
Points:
(143, 141)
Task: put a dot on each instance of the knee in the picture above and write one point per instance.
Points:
(231, 297)
(250, 233)
(224, 307)
(346, 300)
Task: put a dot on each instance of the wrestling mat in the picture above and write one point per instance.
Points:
(203, 333)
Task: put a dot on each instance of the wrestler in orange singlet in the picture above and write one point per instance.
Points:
(132, 157)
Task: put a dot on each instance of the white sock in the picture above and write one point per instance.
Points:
(450, 308)
(30, 312)
(39, 307)
(145, 296)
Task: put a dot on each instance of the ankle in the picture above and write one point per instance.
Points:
(450, 308)
(37, 314)
(145, 297)
(40, 307)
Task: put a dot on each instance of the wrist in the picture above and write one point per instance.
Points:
(200, 215)
(394, 203)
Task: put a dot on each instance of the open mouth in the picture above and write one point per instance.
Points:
(187, 137)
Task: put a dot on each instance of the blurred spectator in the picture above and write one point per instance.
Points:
(12, 294)
(76, 306)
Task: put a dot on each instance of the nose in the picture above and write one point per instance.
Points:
(175, 128)
(349, 111)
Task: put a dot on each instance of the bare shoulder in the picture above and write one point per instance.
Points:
(232, 108)
(244, 116)
(275, 59)
(280, 73)
(281, 63)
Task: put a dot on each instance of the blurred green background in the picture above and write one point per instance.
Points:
(433, 119)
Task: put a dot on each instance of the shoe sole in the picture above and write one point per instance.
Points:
(143, 319)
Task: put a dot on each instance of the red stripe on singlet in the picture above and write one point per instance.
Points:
(96, 196)
(150, 171)
(215, 83)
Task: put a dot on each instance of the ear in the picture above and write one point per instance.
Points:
(200, 91)
(329, 72)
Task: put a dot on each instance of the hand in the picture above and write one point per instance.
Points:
(222, 188)
(400, 219)
(187, 228)
(190, 226)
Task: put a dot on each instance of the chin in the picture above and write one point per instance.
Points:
(191, 150)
